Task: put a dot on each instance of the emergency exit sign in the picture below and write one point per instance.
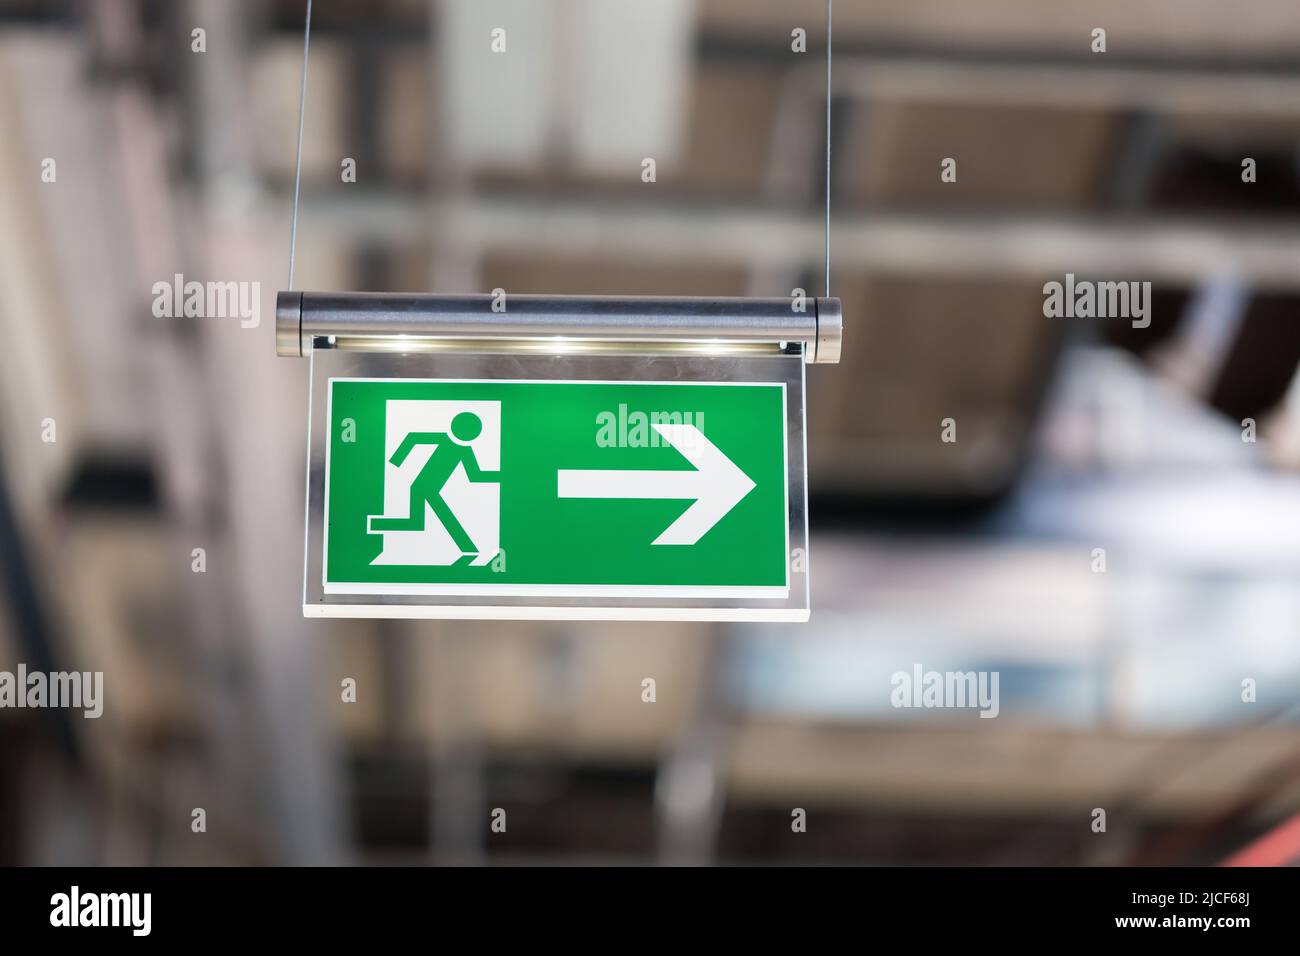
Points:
(612, 491)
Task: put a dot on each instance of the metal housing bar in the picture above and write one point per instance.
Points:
(627, 323)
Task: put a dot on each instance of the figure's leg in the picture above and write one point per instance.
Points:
(458, 534)
(414, 520)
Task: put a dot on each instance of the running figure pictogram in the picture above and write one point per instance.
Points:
(449, 451)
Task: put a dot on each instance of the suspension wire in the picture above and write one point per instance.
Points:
(297, 171)
(830, 33)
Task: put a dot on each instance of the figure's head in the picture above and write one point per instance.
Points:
(465, 427)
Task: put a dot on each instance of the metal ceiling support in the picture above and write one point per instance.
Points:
(31, 622)
(289, 756)
(1014, 79)
(1179, 249)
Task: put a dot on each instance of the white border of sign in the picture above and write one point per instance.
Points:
(555, 602)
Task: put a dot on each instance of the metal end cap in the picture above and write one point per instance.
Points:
(830, 331)
(288, 324)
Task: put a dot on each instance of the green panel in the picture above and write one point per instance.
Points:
(546, 427)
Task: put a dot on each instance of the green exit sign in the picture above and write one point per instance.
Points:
(606, 491)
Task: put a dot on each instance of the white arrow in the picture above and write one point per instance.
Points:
(716, 484)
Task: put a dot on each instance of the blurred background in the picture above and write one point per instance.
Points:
(1115, 531)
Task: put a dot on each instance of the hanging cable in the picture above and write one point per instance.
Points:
(830, 33)
(297, 171)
